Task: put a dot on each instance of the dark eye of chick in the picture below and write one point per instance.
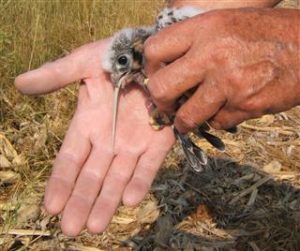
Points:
(123, 60)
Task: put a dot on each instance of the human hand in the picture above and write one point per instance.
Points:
(244, 63)
(88, 181)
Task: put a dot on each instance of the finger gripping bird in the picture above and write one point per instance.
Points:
(124, 60)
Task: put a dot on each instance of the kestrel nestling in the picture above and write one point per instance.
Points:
(124, 61)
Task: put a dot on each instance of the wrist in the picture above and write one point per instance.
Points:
(216, 4)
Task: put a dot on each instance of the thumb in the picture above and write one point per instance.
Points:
(82, 63)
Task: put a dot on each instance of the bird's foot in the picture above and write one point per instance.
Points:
(159, 120)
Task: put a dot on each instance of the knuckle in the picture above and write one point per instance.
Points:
(142, 183)
(215, 124)
(222, 124)
(57, 178)
(158, 90)
(106, 151)
(132, 151)
(185, 120)
(251, 105)
(149, 168)
(226, 124)
(109, 152)
(150, 50)
(82, 198)
(119, 177)
(92, 176)
(66, 156)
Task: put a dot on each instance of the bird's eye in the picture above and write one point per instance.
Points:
(122, 60)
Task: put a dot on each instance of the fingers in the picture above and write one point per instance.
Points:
(146, 170)
(115, 181)
(86, 190)
(67, 165)
(166, 46)
(170, 82)
(227, 119)
(204, 104)
(55, 75)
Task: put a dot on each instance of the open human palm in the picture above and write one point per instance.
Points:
(89, 178)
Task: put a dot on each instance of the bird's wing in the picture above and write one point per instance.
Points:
(169, 16)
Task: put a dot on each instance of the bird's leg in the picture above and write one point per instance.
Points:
(194, 154)
(158, 120)
(202, 130)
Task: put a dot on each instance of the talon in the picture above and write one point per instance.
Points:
(157, 127)
(146, 81)
(153, 123)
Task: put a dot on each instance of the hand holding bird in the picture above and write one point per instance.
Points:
(88, 180)
(241, 62)
(125, 62)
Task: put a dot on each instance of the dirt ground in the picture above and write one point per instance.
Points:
(247, 199)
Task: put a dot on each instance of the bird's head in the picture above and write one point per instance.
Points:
(124, 58)
(122, 66)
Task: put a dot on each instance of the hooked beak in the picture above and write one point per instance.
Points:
(120, 80)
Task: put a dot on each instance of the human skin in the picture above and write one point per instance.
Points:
(244, 63)
(224, 4)
(88, 181)
(89, 178)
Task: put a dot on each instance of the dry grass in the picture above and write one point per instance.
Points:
(249, 199)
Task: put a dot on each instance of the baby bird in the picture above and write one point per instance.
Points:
(124, 61)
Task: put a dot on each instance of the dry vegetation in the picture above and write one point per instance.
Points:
(248, 199)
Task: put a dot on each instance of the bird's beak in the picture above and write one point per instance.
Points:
(120, 80)
(118, 84)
